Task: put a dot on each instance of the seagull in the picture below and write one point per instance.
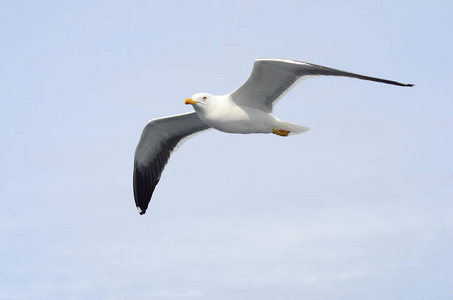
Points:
(248, 109)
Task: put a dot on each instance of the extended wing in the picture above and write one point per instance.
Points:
(159, 138)
(272, 78)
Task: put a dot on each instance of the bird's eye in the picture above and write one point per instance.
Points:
(205, 98)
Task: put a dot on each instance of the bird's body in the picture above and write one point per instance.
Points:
(246, 110)
(240, 119)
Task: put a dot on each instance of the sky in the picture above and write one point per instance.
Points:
(359, 207)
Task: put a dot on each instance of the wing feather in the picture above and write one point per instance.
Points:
(159, 139)
(272, 78)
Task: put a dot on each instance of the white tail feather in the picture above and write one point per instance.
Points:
(292, 128)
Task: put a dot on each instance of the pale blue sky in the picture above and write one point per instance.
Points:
(359, 207)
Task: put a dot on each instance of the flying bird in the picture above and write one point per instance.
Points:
(248, 109)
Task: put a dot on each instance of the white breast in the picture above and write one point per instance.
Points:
(226, 116)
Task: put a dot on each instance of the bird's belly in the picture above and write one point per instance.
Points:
(241, 121)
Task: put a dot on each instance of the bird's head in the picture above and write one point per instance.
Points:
(199, 99)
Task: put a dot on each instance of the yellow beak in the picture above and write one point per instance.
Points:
(190, 101)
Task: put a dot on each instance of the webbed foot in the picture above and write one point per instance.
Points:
(280, 132)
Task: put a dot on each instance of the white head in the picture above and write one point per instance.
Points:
(202, 102)
(199, 99)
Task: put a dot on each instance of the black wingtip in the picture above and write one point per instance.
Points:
(141, 211)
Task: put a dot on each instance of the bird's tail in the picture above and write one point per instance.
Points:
(292, 128)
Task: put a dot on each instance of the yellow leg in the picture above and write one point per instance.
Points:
(280, 132)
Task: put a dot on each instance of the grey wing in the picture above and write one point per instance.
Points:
(158, 140)
(272, 78)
